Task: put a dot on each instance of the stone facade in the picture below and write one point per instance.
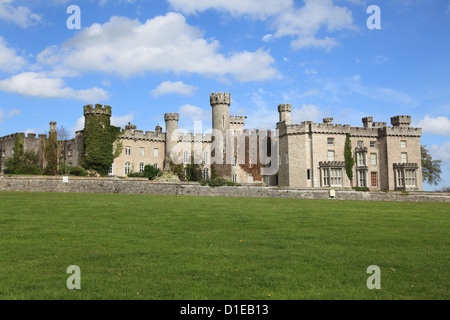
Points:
(305, 155)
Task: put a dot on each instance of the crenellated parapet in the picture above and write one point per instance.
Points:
(401, 121)
(97, 110)
(284, 108)
(139, 135)
(171, 117)
(195, 138)
(401, 132)
(220, 98)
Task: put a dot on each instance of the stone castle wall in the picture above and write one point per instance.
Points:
(142, 186)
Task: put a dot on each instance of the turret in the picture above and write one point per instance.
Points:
(284, 111)
(220, 103)
(401, 121)
(53, 127)
(171, 120)
(367, 122)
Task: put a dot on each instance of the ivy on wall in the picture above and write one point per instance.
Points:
(98, 139)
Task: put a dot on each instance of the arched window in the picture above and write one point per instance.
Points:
(127, 168)
(206, 173)
(141, 167)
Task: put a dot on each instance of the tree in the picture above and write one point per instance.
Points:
(194, 171)
(51, 153)
(349, 160)
(431, 169)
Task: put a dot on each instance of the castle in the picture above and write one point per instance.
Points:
(305, 155)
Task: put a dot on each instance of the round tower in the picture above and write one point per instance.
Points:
(220, 103)
(285, 113)
(171, 120)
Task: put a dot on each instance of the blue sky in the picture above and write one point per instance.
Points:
(147, 58)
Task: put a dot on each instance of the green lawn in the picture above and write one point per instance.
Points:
(168, 247)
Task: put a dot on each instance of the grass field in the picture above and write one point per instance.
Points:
(168, 247)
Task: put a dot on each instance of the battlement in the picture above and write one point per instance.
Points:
(379, 124)
(97, 110)
(220, 98)
(332, 164)
(141, 135)
(401, 131)
(238, 119)
(130, 126)
(171, 117)
(284, 108)
(328, 121)
(401, 121)
(189, 137)
(406, 165)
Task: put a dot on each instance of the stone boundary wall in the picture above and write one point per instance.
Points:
(143, 186)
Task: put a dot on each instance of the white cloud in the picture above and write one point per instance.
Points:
(302, 23)
(121, 121)
(19, 15)
(9, 60)
(41, 86)
(441, 152)
(308, 112)
(8, 114)
(194, 113)
(115, 121)
(256, 8)
(435, 125)
(169, 87)
(162, 44)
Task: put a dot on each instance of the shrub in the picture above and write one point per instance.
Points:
(364, 189)
(78, 171)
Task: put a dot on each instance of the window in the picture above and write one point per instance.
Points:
(360, 144)
(336, 177)
(142, 152)
(403, 144)
(400, 178)
(234, 178)
(206, 173)
(373, 158)
(326, 177)
(127, 151)
(287, 158)
(156, 152)
(234, 161)
(330, 155)
(362, 178)
(110, 171)
(250, 178)
(141, 167)
(410, 178)
(373, 144)
(186, 157)
(156, 166)
(374, 179)
(361, 159)
(330, 141)
(308, 174)
(404, 157)
(205, 157)
(127, 168)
